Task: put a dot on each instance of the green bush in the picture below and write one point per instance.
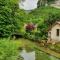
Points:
(32, 36)
(8, 50)
(8, 20)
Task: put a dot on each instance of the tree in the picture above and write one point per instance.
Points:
(8, 24)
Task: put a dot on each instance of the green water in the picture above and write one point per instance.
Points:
(43, 56)
(53, 58)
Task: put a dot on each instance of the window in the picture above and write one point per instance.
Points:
(57, 32)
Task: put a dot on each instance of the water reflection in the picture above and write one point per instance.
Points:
(28, 55)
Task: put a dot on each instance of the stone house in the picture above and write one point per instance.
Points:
(54, 32)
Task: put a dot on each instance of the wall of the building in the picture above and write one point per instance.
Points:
(54, 33)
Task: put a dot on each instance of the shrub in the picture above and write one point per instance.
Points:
(32, 36)
(8, 50)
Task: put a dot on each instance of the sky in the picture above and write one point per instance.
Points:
(28, 4)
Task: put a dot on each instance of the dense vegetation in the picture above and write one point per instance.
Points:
(8, 50)
(44, 17)
(13, 19)
(8, 24)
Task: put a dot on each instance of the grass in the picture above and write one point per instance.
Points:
(13, 49)
(8, 50)
(55, 47)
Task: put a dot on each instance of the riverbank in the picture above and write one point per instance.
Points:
(11, 49)
(41, 52)
(50, 52)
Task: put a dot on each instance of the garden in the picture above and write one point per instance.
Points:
(19, 29)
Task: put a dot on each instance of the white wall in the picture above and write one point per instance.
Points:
(53, 33)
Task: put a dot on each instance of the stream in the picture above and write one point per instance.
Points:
(31, 55)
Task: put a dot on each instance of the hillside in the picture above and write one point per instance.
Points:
(13, 19)
(43, 17)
